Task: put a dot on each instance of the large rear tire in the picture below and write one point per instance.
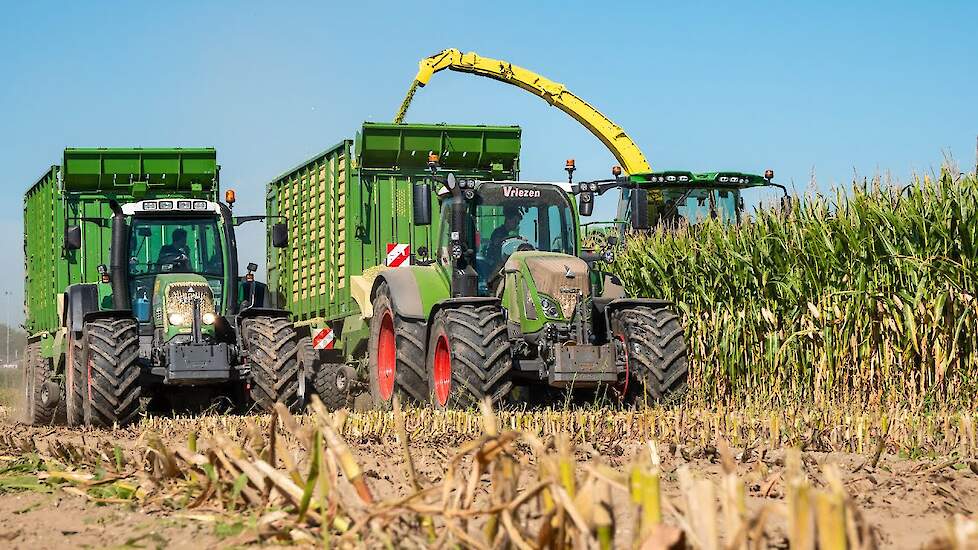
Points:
(396, 354)
(655, 353)
(330, 381)
(469, 356)
(112, 390)
(38, 372)
(276, 376)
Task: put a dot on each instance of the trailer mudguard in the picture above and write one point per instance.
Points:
(414, 290)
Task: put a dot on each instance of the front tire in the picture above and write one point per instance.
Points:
(396, 354)
(655, 352)
(469, 356)
(111, 385)
(276, 376)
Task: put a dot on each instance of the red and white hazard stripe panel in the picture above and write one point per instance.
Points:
(323, 339)
(398, 254)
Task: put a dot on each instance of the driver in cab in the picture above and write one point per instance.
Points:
(176, 249)
(511, 223)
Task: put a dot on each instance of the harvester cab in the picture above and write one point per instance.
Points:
(164, 317)
(690, 198)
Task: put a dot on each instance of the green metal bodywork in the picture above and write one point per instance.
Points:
(518, 284)
(77, 193)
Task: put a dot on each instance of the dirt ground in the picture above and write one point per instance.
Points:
(907, 502)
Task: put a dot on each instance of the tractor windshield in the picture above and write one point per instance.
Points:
(691, 206)
(699, 204)
(175, 245)
(510, 217)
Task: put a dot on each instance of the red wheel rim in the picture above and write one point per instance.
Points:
(443, 370)
(623, 388)
(386, 357)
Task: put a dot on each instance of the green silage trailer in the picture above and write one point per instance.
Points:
(133, 293)
(419, 264)
(350, 217)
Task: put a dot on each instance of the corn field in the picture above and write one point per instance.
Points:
(865, 298)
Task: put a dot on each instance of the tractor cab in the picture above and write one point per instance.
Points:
(177, 250)
(507, 217)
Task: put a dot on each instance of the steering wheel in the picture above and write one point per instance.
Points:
(515, 244)
(173, 261)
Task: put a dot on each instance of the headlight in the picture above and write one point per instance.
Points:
(609, 256)
(209, 318)
(177, 319)
(549, 307)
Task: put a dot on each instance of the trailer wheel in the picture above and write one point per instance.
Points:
(655, 352)
(111, 389)
(276, 376)
(395, 354)
(44, 404)
(469, 356)
(330, 381)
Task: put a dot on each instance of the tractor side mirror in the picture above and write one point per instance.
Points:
(640, 209)
(422, 204)
(73, 239)
(585, 203)
(280, 235)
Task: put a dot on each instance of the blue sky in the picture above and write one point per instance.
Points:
(834, 89)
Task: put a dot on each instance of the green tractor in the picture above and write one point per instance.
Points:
(510, 300)
(134, 297)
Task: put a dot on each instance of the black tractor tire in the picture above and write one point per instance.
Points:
(330, 381)
(276, 375)
(110, 387)
(38, 373)
(76, 385)
(469, 356)
(656, 352)
(395, 354)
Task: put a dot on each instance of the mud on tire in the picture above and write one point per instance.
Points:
(656, 353)
(276, 375)
(396, 355)
(469, 356)
(110, 384)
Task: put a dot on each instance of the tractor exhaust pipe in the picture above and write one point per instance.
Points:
(117, 258)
